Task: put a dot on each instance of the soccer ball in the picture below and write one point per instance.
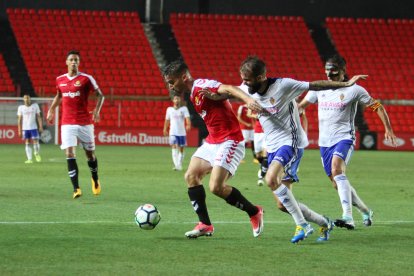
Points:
(147, 216)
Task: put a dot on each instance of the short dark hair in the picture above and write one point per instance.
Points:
(254, 65)
(175, 68)
(73, 52)
(337, 59)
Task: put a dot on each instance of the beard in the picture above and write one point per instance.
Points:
(254, 88)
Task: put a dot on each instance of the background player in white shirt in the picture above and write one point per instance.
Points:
(336, 113)
(285, 138)
(222, 151)
(177, 119)
(29, 124)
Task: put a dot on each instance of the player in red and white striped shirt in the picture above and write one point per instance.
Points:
(73, 91)
(223, 150)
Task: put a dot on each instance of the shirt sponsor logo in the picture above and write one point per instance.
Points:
(71, 94)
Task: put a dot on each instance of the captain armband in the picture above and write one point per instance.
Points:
(375, 105)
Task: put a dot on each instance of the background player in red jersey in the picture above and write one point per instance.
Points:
(246, 126)
(73, 91)
(223, 150)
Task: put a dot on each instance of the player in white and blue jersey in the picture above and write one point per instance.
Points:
(336, 113)
(285, 138)
(177, 120)
(29, 124)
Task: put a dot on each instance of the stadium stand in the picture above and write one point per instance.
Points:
(113, 47)
(214, 45)
(6, 83)
(383, 49)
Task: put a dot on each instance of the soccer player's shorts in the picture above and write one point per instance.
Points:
(259, 142)
(181, 141)
(71, 134)
(31, 134)
(248, 135)
(342, 149)
(226, 155)
(290, 158)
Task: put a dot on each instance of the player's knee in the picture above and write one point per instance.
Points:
(336, 171)
(216, 190)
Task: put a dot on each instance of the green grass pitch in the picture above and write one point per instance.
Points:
(43, 231)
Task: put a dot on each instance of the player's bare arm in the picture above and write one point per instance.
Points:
(377, 107)
(187, 124)
(39, 122)
(239, 94)
(304, 104)
(19, 125)
(96, 112)
(55, 103)
(326, 84)
(166, 126)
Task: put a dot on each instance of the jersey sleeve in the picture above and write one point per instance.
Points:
(294, 87)
(167, 114)
(93, 84)
(37, 108)
(186, 112)
(311, 96)
(363, 96)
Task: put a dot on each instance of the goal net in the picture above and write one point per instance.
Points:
(8, 120)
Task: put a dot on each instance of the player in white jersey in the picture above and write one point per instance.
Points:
(336, 113)
(285, 138)
(29, 124)
(177, 119)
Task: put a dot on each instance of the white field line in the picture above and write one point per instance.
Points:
(174, 222)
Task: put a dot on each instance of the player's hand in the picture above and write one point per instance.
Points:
(356, 78)
(165, 133)
(253, 105)
(96, 117)
(390, 136)
(49, 117)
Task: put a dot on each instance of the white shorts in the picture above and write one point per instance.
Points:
(226, 155)
(259, 142)
(248, 135)
(71, 134)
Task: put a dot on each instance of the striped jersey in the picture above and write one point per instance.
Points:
(280, 118)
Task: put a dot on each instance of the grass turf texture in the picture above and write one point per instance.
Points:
(43, 231)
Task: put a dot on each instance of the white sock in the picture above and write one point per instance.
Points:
(180, 158)
(28, 152)
(175, 157)
(345, 195)
(357, 202)
(312, 216)
(36, 148)
(286, 197)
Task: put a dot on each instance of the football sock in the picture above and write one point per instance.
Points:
(73, 172)
(236, 199)
(357, 201)
(36, 148)
(197, 196)
(312, 216)
(28, 152)
(264, 166)
(93, 167)
(175, 156)
(180, 158)
(345, 195)
(286, 197)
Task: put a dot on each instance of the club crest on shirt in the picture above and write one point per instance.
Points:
(272, 101)
(77, 83)
(342, 96)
